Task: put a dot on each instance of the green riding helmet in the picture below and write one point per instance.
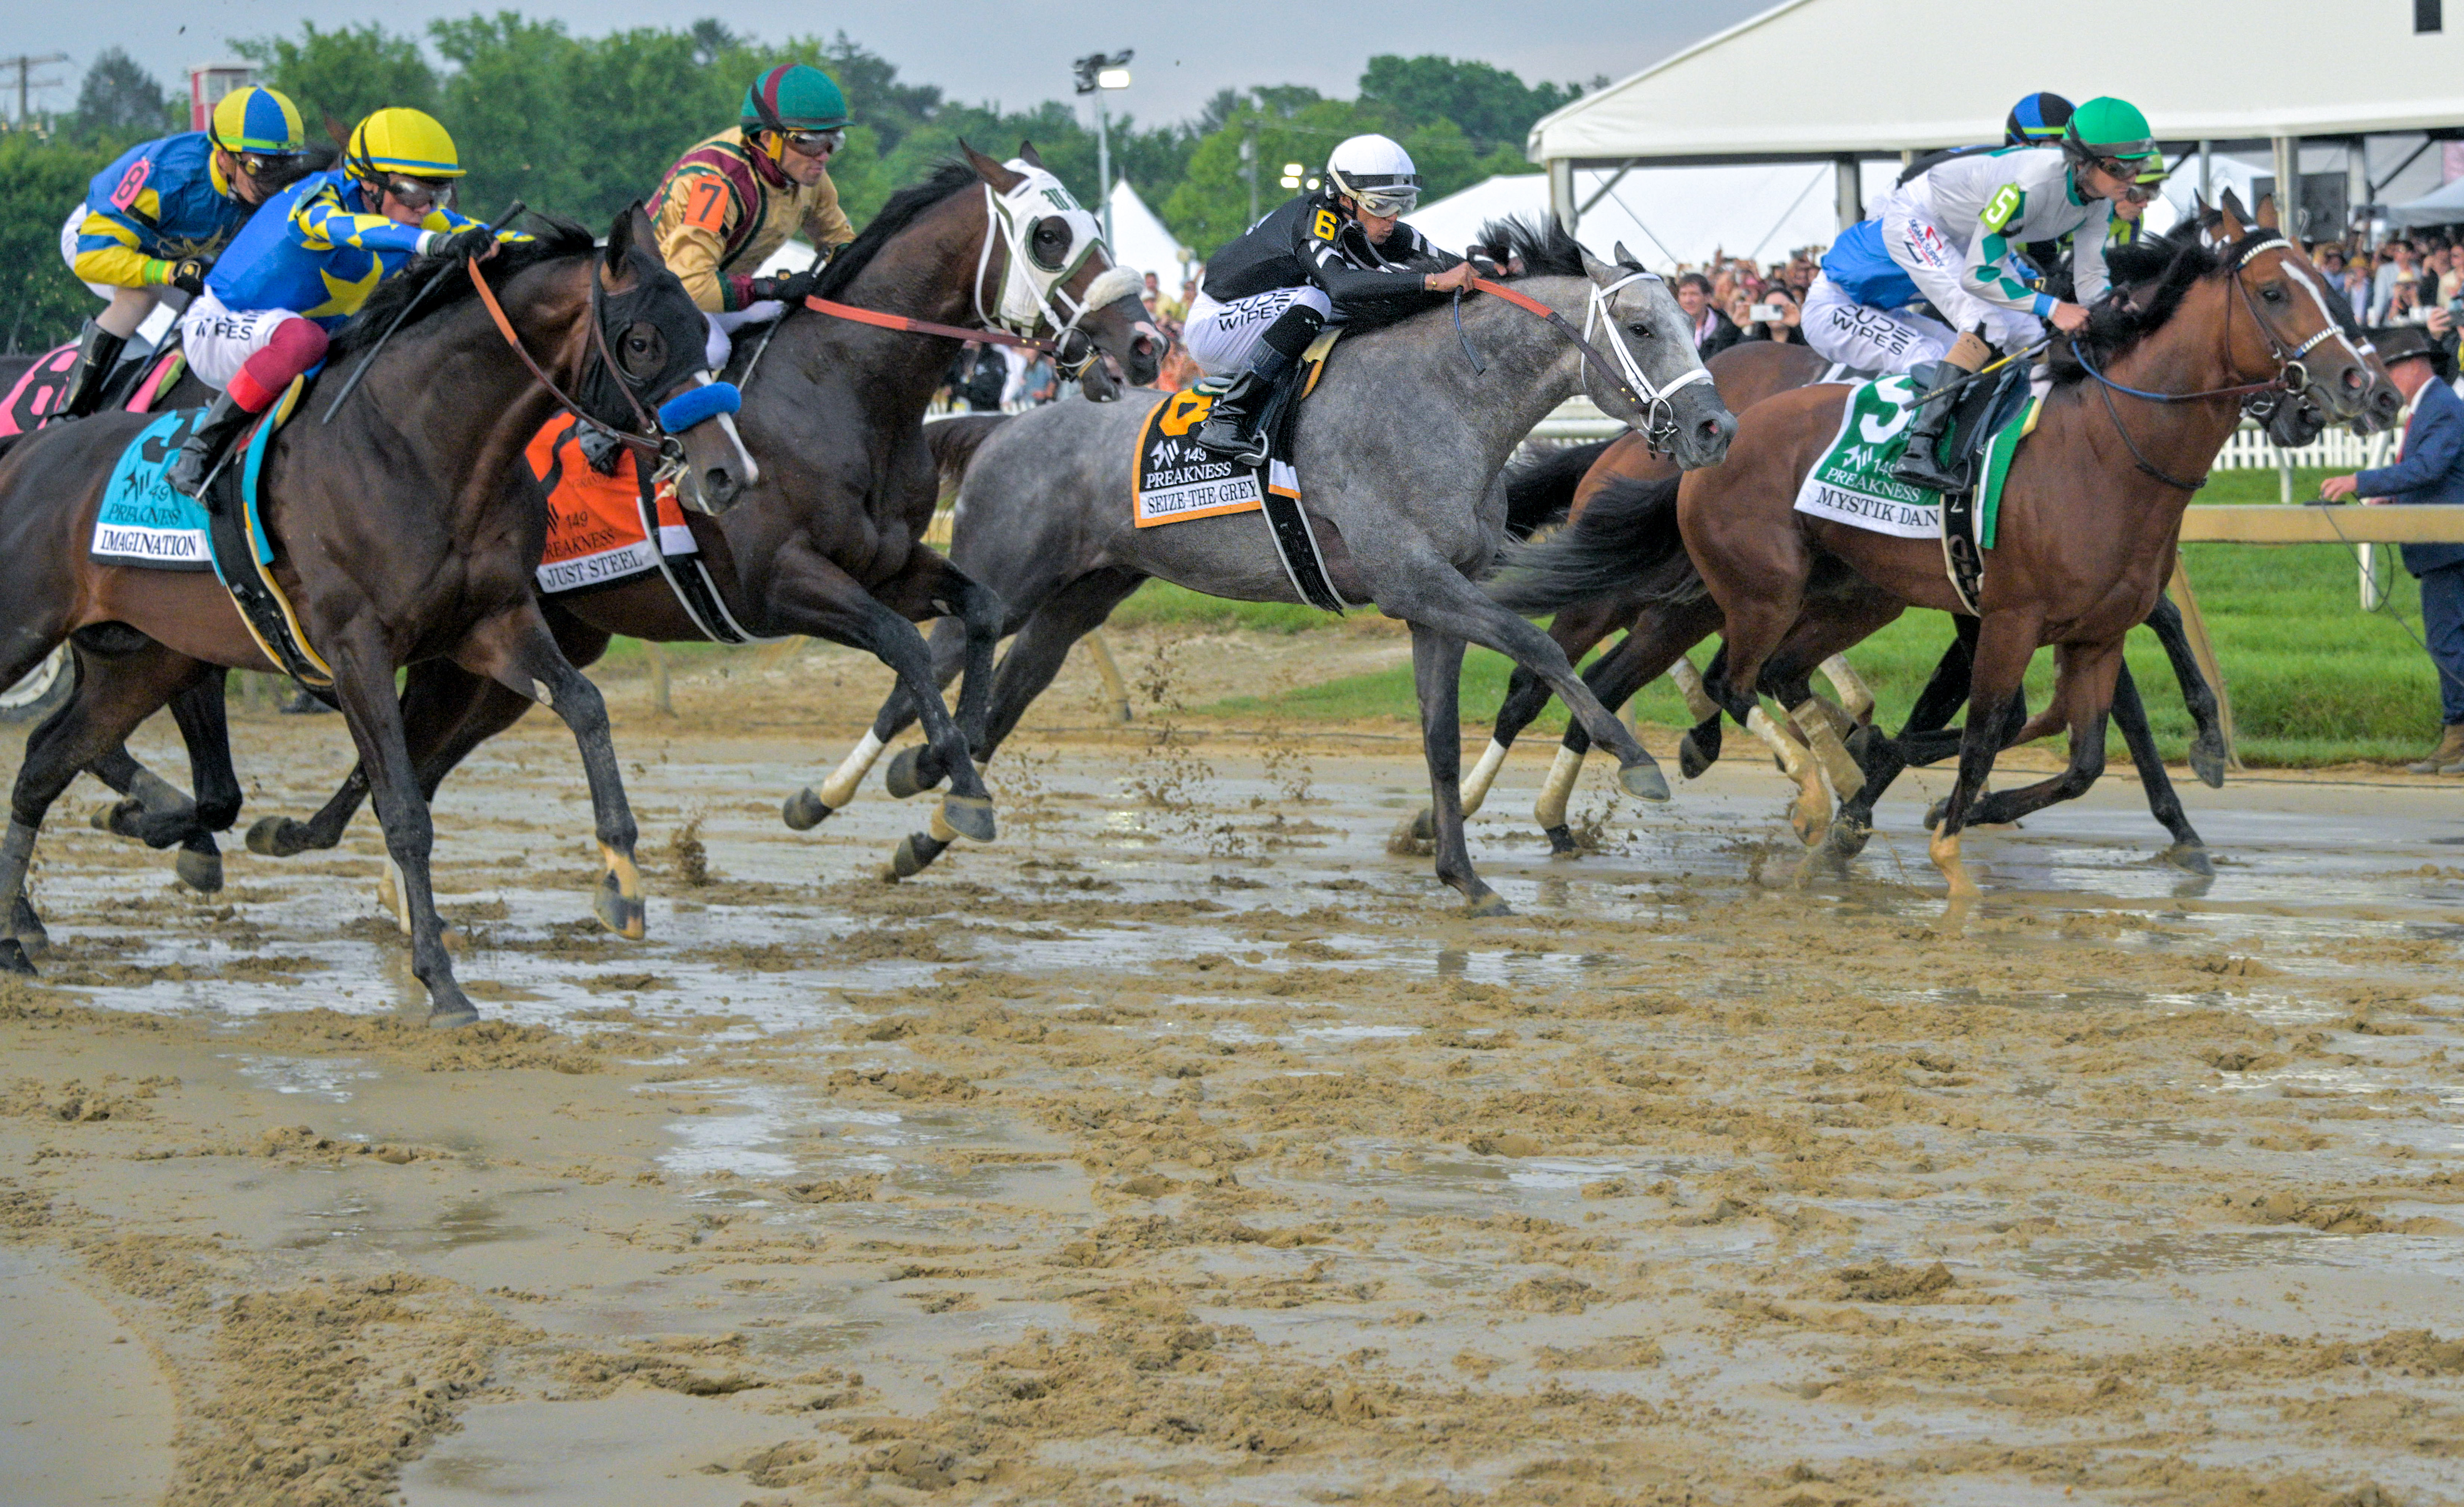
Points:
(2106, 129)
(794, 97)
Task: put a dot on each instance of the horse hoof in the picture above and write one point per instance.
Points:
(1692, 759)
(2207, 761)
(1490, 905)
(1859, 745)
(448, 1012)
(201, 872)
(26, 926)
(119, 817)
(2191, 857)
(1934, 814)
(914, 855)
(13, 959)
(1811, 827)
(1423, 828)
(277, 838)
(804, 811)
(971, 817)
(1643, 781)
(1561, 842)
(906, 776)
(617, 911)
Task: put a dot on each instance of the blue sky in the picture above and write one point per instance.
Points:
(1017, 52)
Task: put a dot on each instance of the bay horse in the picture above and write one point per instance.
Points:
(828, 541)
(400, 536)
(2090, 516)
(1400, 451)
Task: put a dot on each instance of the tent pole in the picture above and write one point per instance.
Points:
(2288, 186)
(1851, 192)
(1561, 193)
(2206, 172)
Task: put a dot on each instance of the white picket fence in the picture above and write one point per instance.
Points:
(1578, 419)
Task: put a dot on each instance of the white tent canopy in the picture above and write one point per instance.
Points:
(1663, 215)
(1827, 77)
(2446, 207)
(1141, 240)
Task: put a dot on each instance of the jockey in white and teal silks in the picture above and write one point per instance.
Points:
(1948, 237)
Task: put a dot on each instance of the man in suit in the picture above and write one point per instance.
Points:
(2431, 469)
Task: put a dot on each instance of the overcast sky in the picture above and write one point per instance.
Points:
(1016, 51)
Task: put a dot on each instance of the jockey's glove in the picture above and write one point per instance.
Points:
(189, 274)
(468, 244)
(794, 288)
(602, 448)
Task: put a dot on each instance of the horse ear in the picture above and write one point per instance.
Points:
(2236, 218)
(2270, 217)
(990, 171)
(620, 239)
(1596, 269)
(1624, 255)
(646, 237)
(1026, 152)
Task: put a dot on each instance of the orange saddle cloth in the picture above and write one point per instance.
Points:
(594, 523)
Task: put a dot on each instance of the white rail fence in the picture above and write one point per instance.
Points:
(1578, 419)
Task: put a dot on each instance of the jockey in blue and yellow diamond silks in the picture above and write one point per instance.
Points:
(152, 222)
(309, 261)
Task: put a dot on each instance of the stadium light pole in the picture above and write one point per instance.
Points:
(1096, 73)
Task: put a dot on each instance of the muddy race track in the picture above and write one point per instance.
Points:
(1185, 1146)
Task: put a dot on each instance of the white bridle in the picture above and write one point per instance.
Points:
(1032, 297)
(1660, 418)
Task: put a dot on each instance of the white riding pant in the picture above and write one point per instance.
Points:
(720, 343)
(1222, 336)
(1934, 261)
(1868, 338)
(219, 341)
(168, 304)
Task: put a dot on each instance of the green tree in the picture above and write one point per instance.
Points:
(1490, 106)
(343, 74)
(41, 181)
(119, 101)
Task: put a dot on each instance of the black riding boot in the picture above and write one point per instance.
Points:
(1231, 427)
(1919, 465)
(97, 352)
(208, 443)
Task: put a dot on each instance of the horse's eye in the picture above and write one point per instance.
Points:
(1050, 244)
(2272, 295)
(1638, 331)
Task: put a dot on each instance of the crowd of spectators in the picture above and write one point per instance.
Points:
(2405, 281)
(1734, 299)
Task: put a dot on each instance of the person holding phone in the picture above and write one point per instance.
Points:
(1774, 317)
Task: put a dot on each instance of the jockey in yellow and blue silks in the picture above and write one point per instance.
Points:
(152, 221)
(307, 263)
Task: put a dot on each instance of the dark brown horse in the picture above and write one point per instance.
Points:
(2090, 515)
(830, 543)
(402, 534)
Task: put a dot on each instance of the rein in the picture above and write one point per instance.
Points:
(914, 327)
(2291, 376)
(1660, 418)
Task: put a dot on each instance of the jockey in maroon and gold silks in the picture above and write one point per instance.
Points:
(736, 197)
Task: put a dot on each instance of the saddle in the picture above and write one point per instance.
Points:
(136, 378)
(1985, 410)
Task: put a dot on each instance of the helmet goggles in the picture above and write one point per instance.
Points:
(1384, 195)
(417, 194)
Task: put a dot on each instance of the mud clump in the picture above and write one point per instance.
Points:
(1883, 1282)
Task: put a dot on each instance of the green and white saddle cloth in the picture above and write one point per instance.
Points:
(1852, 483)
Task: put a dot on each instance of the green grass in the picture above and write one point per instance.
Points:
(1160, 602)
(2313, 678)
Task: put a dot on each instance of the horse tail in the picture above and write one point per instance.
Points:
(1626, 537)
(1541, 491)
(954, 442)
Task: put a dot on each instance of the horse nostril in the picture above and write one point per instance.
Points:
(717, 485)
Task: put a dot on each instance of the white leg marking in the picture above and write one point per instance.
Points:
(1689, 683)
(840, 787)
(1783, 748)
(1484, 774)
(1852, 692)
(1558, 789)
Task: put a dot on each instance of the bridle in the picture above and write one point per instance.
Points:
(654, 435)
(1029, 293)
(2291, 377)
(1625, 378)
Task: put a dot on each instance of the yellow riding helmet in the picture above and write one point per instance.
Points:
(259, 121)
(404, 141)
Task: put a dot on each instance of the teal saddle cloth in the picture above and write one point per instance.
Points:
(146, 523)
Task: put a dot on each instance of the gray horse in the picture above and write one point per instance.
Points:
(1399, 452)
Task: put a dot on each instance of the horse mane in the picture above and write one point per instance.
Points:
(1540, 242)
(557, 237)
(2149, 281)
(904, 208)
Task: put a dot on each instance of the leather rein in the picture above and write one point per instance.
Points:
(667, 447)
(1660, 418)
(2291, 376)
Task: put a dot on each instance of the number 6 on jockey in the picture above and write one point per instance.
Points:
(1948, 237)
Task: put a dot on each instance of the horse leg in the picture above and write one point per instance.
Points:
(517, 650)
(1700, 748)
(1035, 656)
(809, 808)
(448, 711)
(2207, 752)
(2163, 802)
(2004, 642)
(1436, 675)
(931, 586)
(364, 683)
(113, 696)
(1659, 639)
(2084, 697)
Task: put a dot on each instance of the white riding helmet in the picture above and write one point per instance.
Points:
(1376, 173)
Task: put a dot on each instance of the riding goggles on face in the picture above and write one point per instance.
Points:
(1384, 195)
(816, 144)
(418, 194)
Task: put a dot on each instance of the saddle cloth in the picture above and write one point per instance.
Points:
(594, 523)
(146, 523)
(1174, 479)
(133, 385)
(1852, 484)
